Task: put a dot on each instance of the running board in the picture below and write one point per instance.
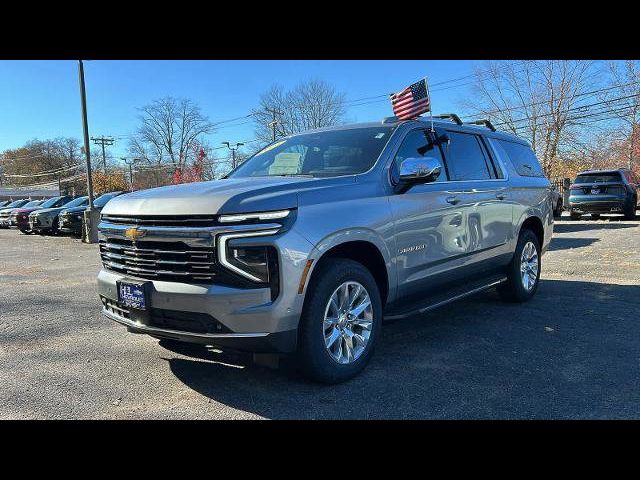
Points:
(441, 300)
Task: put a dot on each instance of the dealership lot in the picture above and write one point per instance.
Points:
(572, 352)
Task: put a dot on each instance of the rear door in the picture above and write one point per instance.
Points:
(478, 184)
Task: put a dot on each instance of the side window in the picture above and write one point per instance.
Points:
(466, 157)
(417, 144)
(521, 157)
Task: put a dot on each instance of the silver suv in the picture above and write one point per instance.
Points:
(308, 245)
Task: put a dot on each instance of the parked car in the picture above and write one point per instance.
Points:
(604, 191)
(310, 242)
(70, 219)
(4, 203)
(5, 212)
(20, 216)
(46, 220)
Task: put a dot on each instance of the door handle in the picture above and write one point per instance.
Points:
(452, 200)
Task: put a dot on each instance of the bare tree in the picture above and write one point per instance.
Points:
(169, 129)
(536, 99)
(623, 104)
(311, 104)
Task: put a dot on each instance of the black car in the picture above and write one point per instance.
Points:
(70, 219)
(604, 191)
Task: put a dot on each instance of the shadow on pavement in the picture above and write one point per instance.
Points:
(571, 352)
(584, 227)
(565, 243)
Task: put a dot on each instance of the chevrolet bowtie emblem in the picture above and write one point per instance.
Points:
(134, 234)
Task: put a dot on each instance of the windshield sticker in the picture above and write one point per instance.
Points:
(380, 135)
(285, 164)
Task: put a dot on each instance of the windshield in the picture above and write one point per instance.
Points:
(598, 178)
(77, 202)
(49, 203)
(32, 203)
(16, 203)
(321, 154)
(102, 200)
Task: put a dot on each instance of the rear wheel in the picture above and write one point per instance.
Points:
(630, 209)
(523, 273)
(340, 322)
(574, 215)
(557, 211)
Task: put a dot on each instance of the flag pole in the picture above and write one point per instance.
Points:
(426, 82)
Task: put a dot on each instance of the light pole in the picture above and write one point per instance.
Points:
(233, 152)
(90, 214)
(130, 164)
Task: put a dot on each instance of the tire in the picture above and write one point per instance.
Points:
(54, 227)
(316, 360)
(514, 290)
(26, 232)
(574, 215)
(557, 212)
(595, 216)
(630, 209)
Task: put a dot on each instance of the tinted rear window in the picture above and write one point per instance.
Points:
(521, 157)
(599, 178)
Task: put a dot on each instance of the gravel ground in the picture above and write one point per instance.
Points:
(571, 352)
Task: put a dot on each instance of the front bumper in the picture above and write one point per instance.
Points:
(248, 317)
(70, 224)
(39, 224)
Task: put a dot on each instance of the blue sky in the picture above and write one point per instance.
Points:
(40, 99)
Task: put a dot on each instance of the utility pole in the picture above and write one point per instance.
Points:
(103, 141)
(233, 152)
(130, 164)
(90, 214)
(273, 124)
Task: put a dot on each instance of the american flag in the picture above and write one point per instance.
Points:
(412, 101)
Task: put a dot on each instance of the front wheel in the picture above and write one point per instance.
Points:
(574, 215)
(340, 322)
(523, 274)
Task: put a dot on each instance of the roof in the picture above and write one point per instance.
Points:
(424, 121)
(604, 170)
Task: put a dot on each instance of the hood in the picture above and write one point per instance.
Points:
(26, 210)
(76, 209)
(233, 195)
(46, 211)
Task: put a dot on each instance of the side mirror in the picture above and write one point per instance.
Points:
(419, 170)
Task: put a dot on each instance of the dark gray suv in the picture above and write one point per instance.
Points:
(310, 243)
(604, 191)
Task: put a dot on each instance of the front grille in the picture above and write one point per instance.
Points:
(170, 261)
(162, 220)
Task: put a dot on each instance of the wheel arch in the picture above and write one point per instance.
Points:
(362, 247)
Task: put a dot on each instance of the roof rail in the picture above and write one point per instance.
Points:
(484, 122)
(449, 116)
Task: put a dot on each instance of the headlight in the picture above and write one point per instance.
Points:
(251, 262)
(244, 217)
